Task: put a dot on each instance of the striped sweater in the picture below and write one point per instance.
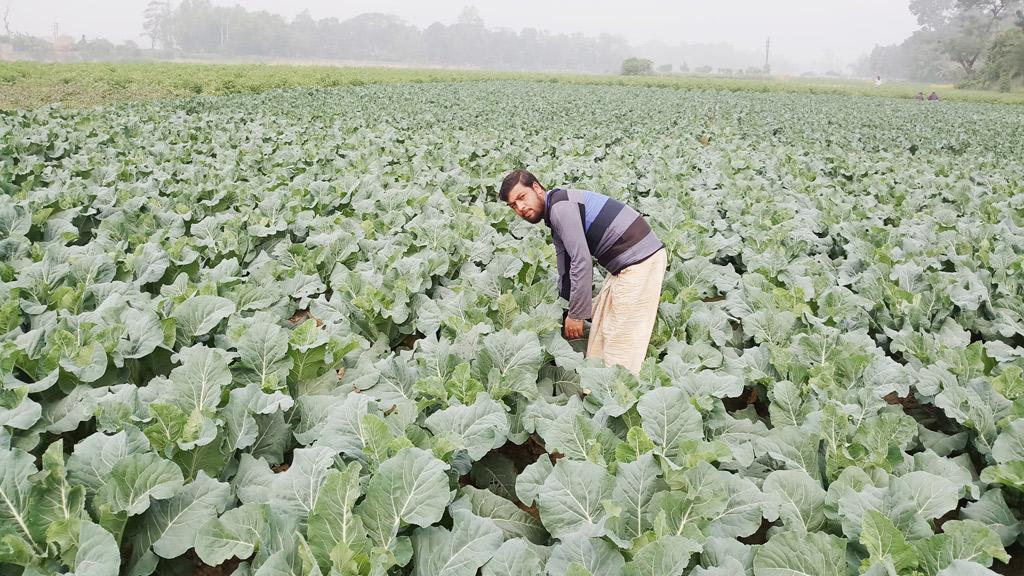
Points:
(586, 225)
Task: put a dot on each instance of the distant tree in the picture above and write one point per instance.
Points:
(1004, 61)
(252, 33)
(637, 67)
(725, 71)
(202, 27)
(95, 50)
(157, 24)
(994, 8)
(304, 36)
(963, 29)
(704, 70)
(198, 27)
(609, 52)
(932, 14)
(7, 19)
(665, 68)
(918, 58)
(684, 68)
(31, 46)
(470, 16)
(377, 36)
(470, 40)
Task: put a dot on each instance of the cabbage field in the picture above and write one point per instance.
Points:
(296, 333)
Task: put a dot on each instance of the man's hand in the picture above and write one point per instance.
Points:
(573, 329)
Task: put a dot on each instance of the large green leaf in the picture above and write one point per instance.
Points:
(668, 418)
(570, 500)
(137, 479)
(478, 428)
(531, 480)
(801, 554)
(236, 533)
(515, 359)
(98, 554)
(611, 389)
(517, 557)
(666, 556)
(595, 555)
(195, 388)
(333, 520)
(93, 458)
(170, 526)
(1009, 446)
(263, 356)
(17, 410)
(513, 522)
(960, 540)
(885, 543)
(992, 511)
(70, 411)
(198, 381)
(198, 315)
(15, 466)
(55, 506)
(343, 426)
(293, 492)
(796, 498)
(409, 487)
(725, 504)
(924, 494)
(635, 485)
(460, 552)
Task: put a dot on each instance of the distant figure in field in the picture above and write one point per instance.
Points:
(933, 96)
(920, 96)
(878, 81)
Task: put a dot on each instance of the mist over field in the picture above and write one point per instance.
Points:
(806, 36)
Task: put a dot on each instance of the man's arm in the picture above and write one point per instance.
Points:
(563, 267)
(566, 223)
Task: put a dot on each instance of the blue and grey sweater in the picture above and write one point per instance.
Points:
(586, 225)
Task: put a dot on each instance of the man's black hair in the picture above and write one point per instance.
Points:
(515, 178)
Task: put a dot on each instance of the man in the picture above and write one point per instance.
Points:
(586, 225)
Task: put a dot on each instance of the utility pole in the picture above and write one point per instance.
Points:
(767, 52)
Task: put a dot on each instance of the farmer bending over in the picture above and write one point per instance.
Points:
(587, 225)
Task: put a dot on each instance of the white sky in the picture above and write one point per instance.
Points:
(801, 30)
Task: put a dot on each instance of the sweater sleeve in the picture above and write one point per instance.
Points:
(577, 260)
(563, 267)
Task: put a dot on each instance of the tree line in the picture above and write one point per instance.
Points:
(977, 43)
(198, 27)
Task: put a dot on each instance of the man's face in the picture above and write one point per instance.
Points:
(528, 202)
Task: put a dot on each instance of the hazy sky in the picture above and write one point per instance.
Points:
(801, 30)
